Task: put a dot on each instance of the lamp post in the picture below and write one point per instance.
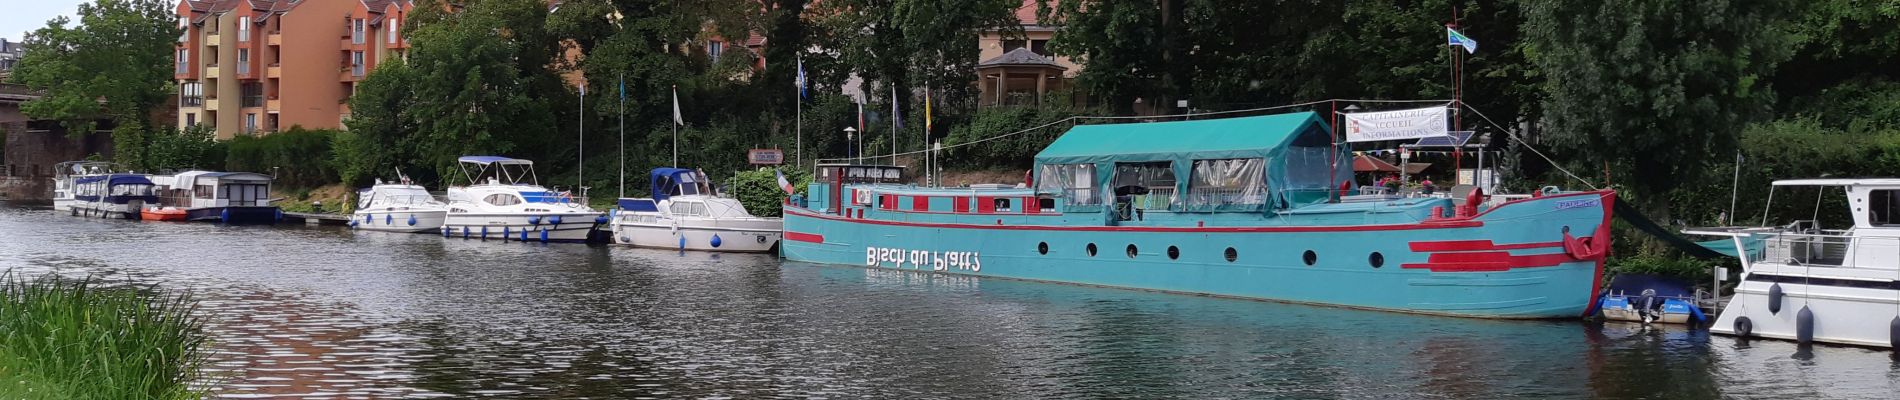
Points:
(849, 133)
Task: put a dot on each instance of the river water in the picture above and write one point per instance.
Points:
(325, 311)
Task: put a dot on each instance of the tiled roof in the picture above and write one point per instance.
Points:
(755, 40)
(1020, 56)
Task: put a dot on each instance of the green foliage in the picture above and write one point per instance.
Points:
(1653, 89)
(381, 138)
(976, 149)
(185, 149)
(481, 83)
(758, 189)
(298, 157)
(115, 63)
(1687, 269)
(62, 339)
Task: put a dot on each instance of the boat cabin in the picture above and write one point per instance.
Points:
(1274, 169)
(1873, 240)
(205, 189)
(114, 189)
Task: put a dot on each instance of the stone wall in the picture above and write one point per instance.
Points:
(32, 148)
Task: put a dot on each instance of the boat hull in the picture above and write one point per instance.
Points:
(736, 240)
(162, 214)
(406, 221)
(234, 215)
(65, 204)
(1510, 262)
(573, 227)
(107, 210)
(1852, 312)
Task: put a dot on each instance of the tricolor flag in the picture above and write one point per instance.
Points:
(677, 119)
(1452, 37)
(860, 114)
(926, 110)
(782, 183)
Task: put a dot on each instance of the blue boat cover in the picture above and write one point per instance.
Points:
(1634, 284)
(645, 205)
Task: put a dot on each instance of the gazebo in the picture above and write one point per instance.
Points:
(1018, 71)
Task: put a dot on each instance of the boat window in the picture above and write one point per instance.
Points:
(1075, 182)
(1237, 183)
(689, 209)
(1147, 185)
(1883, 208)
(132, 190)
(502, 199)
(202, 191)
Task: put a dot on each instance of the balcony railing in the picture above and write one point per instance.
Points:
(191, 101)
(244, 68)
(253, 101)
(356, 70)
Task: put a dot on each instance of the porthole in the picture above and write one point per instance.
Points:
(1131, 251)
(1091, 249)
(1232, 255)
(1174, 253)
(1376, 259)
(1042, 248)
(1310, 257)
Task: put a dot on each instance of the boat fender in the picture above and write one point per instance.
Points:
(682, 243)
(716, 241)
(352, 224)
(446, 231)
(600, 220)
(1893, 333)
(224, 216)
(412, 220)
(505, 233)
(534, 220)
(555, 220)
(1774, 298)
(279, 214)
(366, 218)
(1804, 326)
(389, 219)
(484, 233)
(1744, 327)
(524, 234)
(544, 236)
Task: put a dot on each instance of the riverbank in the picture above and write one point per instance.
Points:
(62, 339)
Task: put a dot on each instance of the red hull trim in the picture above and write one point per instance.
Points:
(804, 237)
(1447, 224)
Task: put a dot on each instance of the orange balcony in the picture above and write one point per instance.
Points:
(274, 105)
(211, 71)
(274, 39)
(211, 104)
(274, 71)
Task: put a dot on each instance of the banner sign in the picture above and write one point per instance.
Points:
(1396, 125)
(766, 156)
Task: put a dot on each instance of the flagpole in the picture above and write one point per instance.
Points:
(676, 126)
(623, 135)
(894, 122)
(798, 97)
(580, 169)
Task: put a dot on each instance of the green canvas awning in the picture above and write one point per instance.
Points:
(1244, 137)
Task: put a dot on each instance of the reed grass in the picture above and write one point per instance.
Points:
(78, 339)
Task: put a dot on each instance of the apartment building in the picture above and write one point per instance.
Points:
(10, 52)
(248, 67)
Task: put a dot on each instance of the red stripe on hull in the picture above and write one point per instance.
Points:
(1350, 228)
(1477, 245)
(804, 237)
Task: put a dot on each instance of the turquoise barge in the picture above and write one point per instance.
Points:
(1246, 207)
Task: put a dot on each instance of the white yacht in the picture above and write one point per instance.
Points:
(398, 207)
(686, 213)
(1807, 283)
(65, 173)
(229, 197)
(504, 201)
(116, 196)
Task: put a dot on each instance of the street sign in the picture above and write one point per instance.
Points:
(765, 156)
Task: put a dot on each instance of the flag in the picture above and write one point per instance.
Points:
(1454, 38)
(623, 88)
(926, 109)
(782, 183)
(801, 79)
(896, 118)
(583, 86)
(676, 107)
(860, 114)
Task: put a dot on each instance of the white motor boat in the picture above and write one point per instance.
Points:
(66, 172)
(116, 196)
(229, 197)
(1805, 283)
(504, 201)
(685, 213)
(398, 207)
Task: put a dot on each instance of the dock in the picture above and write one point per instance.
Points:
(316, 218)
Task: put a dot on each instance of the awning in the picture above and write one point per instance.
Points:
(1365, 163)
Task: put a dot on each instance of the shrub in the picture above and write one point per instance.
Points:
(758, 190)
(301, 158)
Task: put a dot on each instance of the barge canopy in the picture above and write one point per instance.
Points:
(1228, 163)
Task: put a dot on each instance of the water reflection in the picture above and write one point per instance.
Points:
(324, 311)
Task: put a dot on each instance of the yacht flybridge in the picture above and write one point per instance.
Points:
(1805, 282)
(503, 200)
(686, 213)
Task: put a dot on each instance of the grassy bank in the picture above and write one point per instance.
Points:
(63, 339)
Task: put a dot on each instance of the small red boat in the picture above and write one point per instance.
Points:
(162, 214)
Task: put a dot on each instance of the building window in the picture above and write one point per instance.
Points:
(191, 119)
(1040, 47)
(392, 30)
(714, 49)
(356, 31)
(184, 61)
(253, 94)
(191, 94)
(244, 29)
(250, 123)
(244, 61)
(184, 31)
(356, 63)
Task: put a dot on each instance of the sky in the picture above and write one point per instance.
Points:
(22, 16)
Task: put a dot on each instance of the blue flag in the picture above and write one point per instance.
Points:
(623, 88)
(1452, 37)
(801, 79)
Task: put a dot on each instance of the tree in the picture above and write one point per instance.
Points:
(913, 44)
(115, 64)
(381, 139)
(483, 82)
(1653, 89)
